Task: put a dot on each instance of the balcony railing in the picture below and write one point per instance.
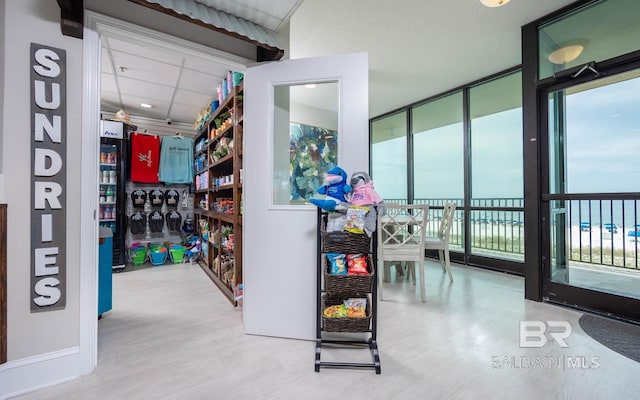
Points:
(601, 232)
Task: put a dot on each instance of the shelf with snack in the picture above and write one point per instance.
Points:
(221, 138)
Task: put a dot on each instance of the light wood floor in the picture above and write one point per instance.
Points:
(172, 335)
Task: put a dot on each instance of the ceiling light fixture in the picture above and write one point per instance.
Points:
(494, 3)
(145, 105)
(567, 52)
(310, 85)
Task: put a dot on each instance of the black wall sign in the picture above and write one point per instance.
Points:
(48, 177)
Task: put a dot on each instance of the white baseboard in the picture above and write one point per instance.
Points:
(38, 372)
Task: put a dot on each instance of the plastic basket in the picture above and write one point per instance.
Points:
(158, 255)
(176, 252)
(138, 254)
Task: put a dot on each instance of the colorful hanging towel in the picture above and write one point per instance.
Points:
(176, 160)
(145, 158)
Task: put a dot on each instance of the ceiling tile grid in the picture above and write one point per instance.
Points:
(176, 86)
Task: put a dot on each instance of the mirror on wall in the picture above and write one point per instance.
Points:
(305, 142)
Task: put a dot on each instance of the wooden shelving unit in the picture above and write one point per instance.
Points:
(217, 207)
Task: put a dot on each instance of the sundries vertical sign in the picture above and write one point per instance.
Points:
(48, 178)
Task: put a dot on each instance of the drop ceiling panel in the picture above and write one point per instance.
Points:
(186, 114)
(150, 91)
(108, 83)
(110, 101)
(144, 69)
(199, 82)
(192, 99)
(207, 67)
(105, 62)
(143, 51)
(160, 108)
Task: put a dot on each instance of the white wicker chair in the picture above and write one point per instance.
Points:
(401, 234)
(441, 242)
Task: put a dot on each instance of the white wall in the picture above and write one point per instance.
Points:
(37, 337)
(36, 21)
(2, 24)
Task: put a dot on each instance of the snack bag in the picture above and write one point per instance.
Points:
(355, 219)
(335, 222)
(357, 264)
(356, 307)
(337, 311)
(337, 264)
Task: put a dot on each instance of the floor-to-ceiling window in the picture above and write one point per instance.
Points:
(389, 157)
(496, 184)
(464, 146)
(438, 160)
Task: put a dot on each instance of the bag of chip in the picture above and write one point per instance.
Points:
(356, 307)
(337, 264)
(355, 219)
(357, 264)
(337, 311)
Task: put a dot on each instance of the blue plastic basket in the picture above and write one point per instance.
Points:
(158, 255)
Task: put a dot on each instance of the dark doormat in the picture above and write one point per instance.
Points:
(620, 337)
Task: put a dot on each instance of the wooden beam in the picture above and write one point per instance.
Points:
(71, 17)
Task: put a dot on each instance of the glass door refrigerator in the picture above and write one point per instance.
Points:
(112, 179)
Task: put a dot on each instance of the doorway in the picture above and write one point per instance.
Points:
(99, 27)
(592, 196)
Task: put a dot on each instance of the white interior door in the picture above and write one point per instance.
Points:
(281, 116)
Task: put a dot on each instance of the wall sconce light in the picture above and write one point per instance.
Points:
(567, 52)
(494, 3)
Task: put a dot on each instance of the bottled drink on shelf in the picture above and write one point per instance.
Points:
(109, 195)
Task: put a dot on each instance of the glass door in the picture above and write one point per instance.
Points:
(591, 197)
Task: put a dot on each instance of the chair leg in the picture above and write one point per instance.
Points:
(441, 258)
(448, 264)
(386, 267)
(423, 293)
(411, 271)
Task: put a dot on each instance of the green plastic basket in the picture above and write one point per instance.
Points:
(176, 253)
(138, 255)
